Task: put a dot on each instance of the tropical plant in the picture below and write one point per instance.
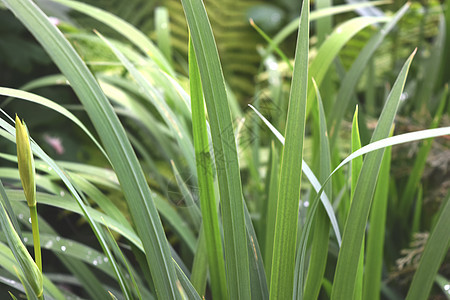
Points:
(194, 197)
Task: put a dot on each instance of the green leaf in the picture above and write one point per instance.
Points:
(347, 265)
(292, 26)
(282, 277)
(199, 273)
(225, 154)
(420, 162)
(192, 208)
(53, 166)
(9, 210)
(433, 255)
(356, 166)
(271, 210)
(376, 232)
(52, 105)
(331, 47)
(126, 29)
(319, 244)
(150, 92)
(351, 78)
(205, 175)
(116, 144)
(258, 281)
(311, 177)
(32, 274)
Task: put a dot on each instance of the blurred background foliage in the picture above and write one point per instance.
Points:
(235, 38)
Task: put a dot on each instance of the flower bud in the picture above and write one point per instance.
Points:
(26, 162)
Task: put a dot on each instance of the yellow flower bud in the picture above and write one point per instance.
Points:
(26, 162)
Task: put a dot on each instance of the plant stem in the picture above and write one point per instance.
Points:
(36, 240)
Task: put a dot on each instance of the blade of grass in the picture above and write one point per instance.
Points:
(395, 140)
(311, 177)
(31, 272)
(116, 144)
(199, 272)
(184, 285)
(150, 92)
(433, 255)
(124, 28)
(118, 252)
(329, 50)
(10, 267)
(351, 78)
(376, 232)
(193, 210)
(258, 281)
(282, 277)
(275, 47)
(442, 282)
(52, 105)
(7, 204)
(72, 249)
(403, 138)
(356, 166)
(206, 182)
(431, 65)
(85, 276)
(358, 161)
(415, 224)
(225, 155)
(444, 76)
(107, 178)
(420, 162)
(319, 244)
(81, 207)
(28, 289)
(343, 285)
(271, 211)
(292, 26)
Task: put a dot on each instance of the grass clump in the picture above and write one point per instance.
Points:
(196, 196)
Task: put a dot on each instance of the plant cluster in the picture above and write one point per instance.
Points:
(183, 193)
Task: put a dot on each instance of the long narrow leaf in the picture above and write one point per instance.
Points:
(282, 277)
(356, 166)
(151, 93)
(344, 279)
(116, 144)
(435, 250)
(225, 154)
(311, 177)
(271, 211)
(331, 47)
(124, 28)
(319, 246)
(376, 233)
(258, 281)
(52, 105)
(206, 182)
(419, 164)
(292, 26)
(351, 78)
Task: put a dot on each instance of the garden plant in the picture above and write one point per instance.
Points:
(325, 179)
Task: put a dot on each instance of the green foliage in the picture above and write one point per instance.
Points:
(192, 197)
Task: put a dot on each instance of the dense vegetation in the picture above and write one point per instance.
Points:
(169, 143)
